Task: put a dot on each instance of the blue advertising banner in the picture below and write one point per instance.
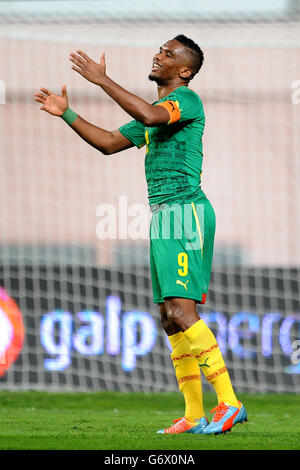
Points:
(79, 328)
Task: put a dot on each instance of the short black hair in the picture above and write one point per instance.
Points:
(197, 55)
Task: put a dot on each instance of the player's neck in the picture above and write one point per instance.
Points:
(165, 90)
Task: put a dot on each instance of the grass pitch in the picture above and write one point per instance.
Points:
(116, 421)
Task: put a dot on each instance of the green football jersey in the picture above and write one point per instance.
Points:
(173, 160)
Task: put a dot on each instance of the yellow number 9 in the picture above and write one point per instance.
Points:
(183, 262)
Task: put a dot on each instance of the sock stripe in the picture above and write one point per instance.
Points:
(183, 356)
(216, 374)
(189, 377)
(214, 346)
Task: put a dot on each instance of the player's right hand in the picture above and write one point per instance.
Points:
(53, 104)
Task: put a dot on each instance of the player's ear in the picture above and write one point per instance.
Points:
(186, 73)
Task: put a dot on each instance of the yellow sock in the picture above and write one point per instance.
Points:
(188, 376)
(206, 350)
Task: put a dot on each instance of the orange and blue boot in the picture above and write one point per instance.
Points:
(225, 418)
(182, 425)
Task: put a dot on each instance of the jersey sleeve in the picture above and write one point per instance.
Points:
(135, 132)
(183, 105)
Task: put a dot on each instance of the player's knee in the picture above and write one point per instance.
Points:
(175, 313)
(168, 325)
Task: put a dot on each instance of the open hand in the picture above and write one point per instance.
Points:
(87, 67)
(53, 104)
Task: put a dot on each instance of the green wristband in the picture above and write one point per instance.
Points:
(69, 116)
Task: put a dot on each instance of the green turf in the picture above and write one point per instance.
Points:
(40, 420)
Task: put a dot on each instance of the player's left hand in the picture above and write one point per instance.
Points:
(87, 67)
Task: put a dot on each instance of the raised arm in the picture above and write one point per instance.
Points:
(138, 108)
(107, 142)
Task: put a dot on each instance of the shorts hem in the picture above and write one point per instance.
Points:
(182, 296)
